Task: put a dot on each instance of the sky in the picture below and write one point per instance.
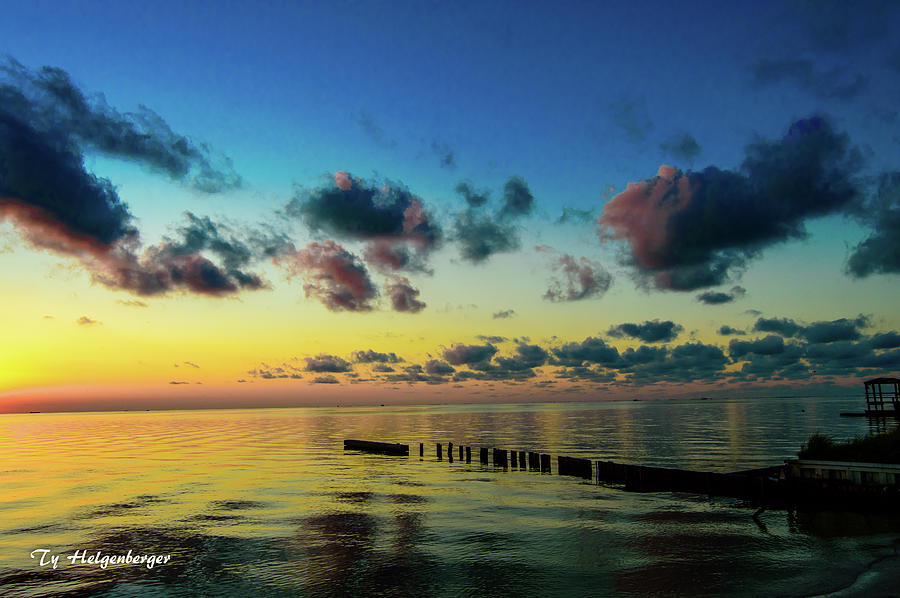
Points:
(207, 204)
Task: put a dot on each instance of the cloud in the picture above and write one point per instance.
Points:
(474, 198)
(684, 363)
(718, 298)
(352, 209)
(771, 345)
(445, 154)
(692, 230)
(86, 321)
(54, 106)
(469, 354)
(632, 117)
(504, 314)
(517, 199)
(380, 367)
(131, 303)
(324, 362)
(526, 357)
(488, 338)
(327, 379)
(830, 84)
(590, 350)
(480, 236)
(885, 340)
(575, 215)
(649, 332)
(438, 367)
(283, 371)
(176, 382)
(879, 253)
(374, 131)
(333, 275)
(403, 295)
(584, 279)
(370, 356)
(191, 364)
(392, 256)
(682, 147)
(415, 373)
(817, 332)
(726, 330)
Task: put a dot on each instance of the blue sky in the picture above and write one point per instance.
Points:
(577, 99)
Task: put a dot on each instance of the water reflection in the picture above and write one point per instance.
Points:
(266, 502)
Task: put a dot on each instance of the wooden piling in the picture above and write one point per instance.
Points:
(574, 466)
(368, 446)
(545, 463)
(514, 458)
(421, 449)
(534, 461)
(500, 458)
(439, 451)
(468, 454)
(450, 451)
(521, 459)
(484, 455)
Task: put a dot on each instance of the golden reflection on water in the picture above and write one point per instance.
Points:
(268, 499)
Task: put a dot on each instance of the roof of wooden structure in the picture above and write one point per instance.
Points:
(882, 381)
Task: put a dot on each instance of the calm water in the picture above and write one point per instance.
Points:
(267, 503)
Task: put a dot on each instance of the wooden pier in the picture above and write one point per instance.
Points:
(765, 488)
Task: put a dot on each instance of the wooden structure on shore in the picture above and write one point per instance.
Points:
(876, 395)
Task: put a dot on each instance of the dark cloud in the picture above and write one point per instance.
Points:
(324, 362)
(526, 357)
(86, 321)
(480, 236)
(374, 131)
(880, 252)
(517, 199)
(839, 26)
(191, 364)
(370, 356)
(469, 354)
(333, 275)
(584, 279)
(439, 368)
(718, 297)
(632, 117)
(649, 332)
(350, 208)
(817, 332)
(836, 330)
(327, 379)
(831, 84)
(782, 326)
(416, 373)
(267, 372)
(176, 382)
(689, 362)
(503, 314)
(575, 215)
(771, 345)
(682, 147)
(590, 350)
(403, 296)
(392, 256)
(726, 330)
(445, 154)
(380, 367)
(491, 339)
(693, 230)
(54, 106)
(474, 198)
(885, 340)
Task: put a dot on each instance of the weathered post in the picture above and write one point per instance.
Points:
(468, 454)
(460, 452)
(521, 459)
(439, 451)
(534, 463)
(513, 457)
(421, 449)
(450, 451)
(484, 455)
(500, 458)
(545, 463)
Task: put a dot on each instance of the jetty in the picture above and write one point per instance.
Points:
(796, 483)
